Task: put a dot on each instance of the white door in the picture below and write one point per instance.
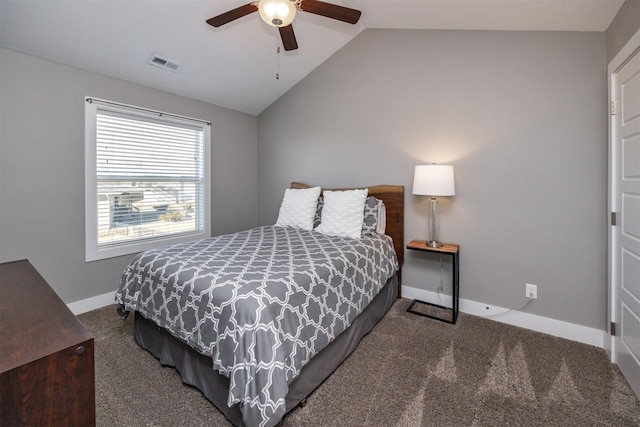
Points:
(627, 206)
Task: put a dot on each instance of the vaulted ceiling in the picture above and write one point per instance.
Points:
(235, 66)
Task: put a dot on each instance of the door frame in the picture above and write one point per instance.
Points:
(613, 294)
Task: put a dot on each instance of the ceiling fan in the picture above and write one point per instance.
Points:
(280, 14)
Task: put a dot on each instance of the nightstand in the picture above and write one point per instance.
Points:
(446, 249)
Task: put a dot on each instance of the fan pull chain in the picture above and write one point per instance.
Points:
(278, 70)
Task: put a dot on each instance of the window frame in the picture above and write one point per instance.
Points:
(93, 251)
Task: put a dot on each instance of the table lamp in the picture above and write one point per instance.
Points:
(435, 181)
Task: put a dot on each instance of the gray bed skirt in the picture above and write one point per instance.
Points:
(197, 370)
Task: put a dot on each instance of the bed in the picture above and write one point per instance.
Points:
(256, 354)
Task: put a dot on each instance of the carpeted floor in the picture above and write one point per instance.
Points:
(409, 371)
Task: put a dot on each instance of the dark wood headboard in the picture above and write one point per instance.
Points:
(393, 198)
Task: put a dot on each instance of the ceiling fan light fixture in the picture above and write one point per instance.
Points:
(277, 13)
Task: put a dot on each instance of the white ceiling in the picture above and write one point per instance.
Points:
(235, 66)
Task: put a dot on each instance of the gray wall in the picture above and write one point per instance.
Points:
(520, 115)
(42, 168)
(623, 27)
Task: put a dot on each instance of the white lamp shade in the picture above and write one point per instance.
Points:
(277, 13)
(434, 180)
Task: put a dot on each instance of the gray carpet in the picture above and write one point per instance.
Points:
(409, 371)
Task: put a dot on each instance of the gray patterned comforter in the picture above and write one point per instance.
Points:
(261, 303)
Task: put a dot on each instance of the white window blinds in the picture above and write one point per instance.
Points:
(150, 178)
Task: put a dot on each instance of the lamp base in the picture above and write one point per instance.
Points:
(434, 244)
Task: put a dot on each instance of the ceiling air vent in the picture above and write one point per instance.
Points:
(164, 63)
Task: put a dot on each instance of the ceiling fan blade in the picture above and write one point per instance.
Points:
(232, 15)
(329, 10)
(288, 37)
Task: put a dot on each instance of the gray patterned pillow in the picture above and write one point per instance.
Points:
(372, 211)
(317, 219)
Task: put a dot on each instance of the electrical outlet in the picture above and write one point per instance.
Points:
(531, 291)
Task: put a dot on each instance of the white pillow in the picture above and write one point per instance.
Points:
(343, 213)
(298, 208)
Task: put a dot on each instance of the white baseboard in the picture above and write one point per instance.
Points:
(545, 325)
(92, 303)
(558, 328)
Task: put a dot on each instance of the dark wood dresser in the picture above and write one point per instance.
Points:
(46, 356)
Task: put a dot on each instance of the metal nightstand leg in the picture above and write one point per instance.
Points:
(456, 289)
(454, 315)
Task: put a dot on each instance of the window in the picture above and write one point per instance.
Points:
(146, 179)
